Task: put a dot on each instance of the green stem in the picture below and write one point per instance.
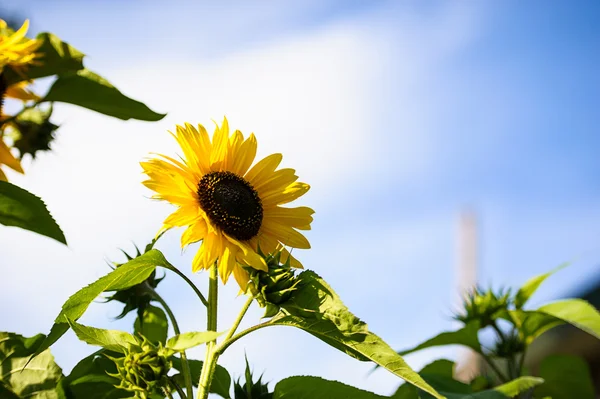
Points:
(522, 362)
(494, 367)
(226, 343)
(185, 365)
(210, 362)
(175, 385)
(239, 318)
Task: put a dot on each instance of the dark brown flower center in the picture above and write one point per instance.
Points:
(231, 204)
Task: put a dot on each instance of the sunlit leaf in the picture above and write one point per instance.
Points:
(531, 286)
(153, 325)
(307, 387)
(20, 208)
(188, 340)
(89, 90)
(38, 379)
(127, 275)
(315, 308)
(112, 340)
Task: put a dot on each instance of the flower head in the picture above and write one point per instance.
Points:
(231, 207)
(16, 50)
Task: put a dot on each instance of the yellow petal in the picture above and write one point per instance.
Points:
(242, 277)
(219, 145)
(194, 233)
(300, 217)
(208, 253)
(291, 192)
(2, 176)
(235, 142)
(263, 169)
(245, 156)
(183, 216)
(227, 262)
(285, 234)
(8, 159)
(20, 92)
(247, 255)
(276, 182)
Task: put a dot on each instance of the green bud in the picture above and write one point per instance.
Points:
(509, 346)
(143, 369)
(33, 131)
(274, 287)
(251, 389)
(483, 305)
(139, 296)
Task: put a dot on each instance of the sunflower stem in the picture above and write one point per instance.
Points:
(185, 365)
(210, 362)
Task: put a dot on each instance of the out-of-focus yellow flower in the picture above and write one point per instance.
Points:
(234, 209)
(16, 50)
(8, 159)
(20, 92)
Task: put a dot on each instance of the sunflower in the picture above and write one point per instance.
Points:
(16, 50)
(234, 209)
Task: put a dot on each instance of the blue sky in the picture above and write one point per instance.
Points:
(399, 115)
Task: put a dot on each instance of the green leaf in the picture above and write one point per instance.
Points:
(20, 208)
(531, 286)
(89, 378)
(125, 276)
(314, 307)
(112, 340)
(153, 325)
(38, 379)
(406, 391)
(89, 90)
(57, 58)
(516, 386)
(440, 375)
(307, 387)
(188, 340)
(565, 377)
(466, 336)
(576, 312)
(221, 382)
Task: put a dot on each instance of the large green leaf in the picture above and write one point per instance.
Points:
(89, 90)
(153, 325)
(89, 379)
(112, 340)
(576, 312)
(314, 307)
(38, 379)
(565, 377)
(188, 340)
(531, 286)
(221, 383)
(20, 208)
(307, 387)
(56, 58)
(466, 336)
(131, 273)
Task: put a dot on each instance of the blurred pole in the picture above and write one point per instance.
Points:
(468, 363)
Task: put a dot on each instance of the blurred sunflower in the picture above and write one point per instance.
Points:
(232, 208)
(16, 50)
(8, 159)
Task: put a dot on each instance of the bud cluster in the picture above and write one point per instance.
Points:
(274, 287)
(143, 369)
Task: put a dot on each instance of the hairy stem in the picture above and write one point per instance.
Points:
(493, 366)
(187, 374)
(210, 362)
